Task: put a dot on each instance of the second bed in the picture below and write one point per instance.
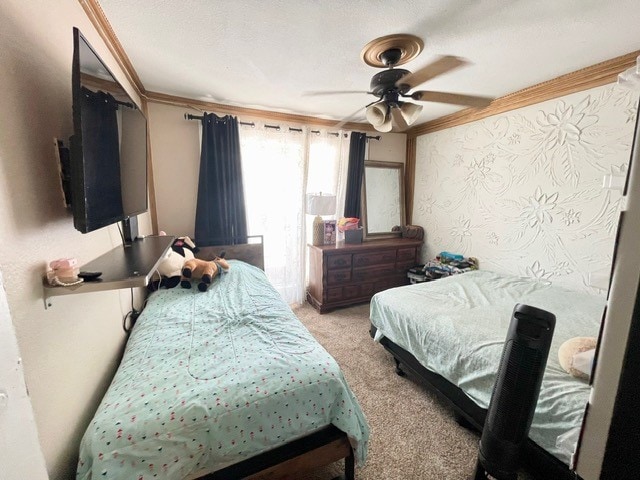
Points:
(453, 330)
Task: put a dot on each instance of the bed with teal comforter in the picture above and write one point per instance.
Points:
(209, 379)
(456, 327)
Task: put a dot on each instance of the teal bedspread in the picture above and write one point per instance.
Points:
(456, 327)
(211, 379)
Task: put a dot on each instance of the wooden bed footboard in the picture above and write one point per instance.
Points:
(250, 251)
(469, 414)
(289, 461)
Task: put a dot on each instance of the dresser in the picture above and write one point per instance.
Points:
(349, 273)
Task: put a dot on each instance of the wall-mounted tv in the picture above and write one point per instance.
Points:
(108, 154)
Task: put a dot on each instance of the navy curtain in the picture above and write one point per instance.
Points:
(357, 148)
(220, 213)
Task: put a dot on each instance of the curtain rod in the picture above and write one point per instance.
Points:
(188, 116)
(333, 134)
(126, 104)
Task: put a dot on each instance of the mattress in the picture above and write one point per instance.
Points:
(456, 327)
(212, 378)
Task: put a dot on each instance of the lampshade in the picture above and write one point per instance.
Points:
(410, 112)
(377, 113)
(321, 204)
(386, 126)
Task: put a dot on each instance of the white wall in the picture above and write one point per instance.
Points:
(20, 453)
(71, 350)
(175, 146)
(522, 191)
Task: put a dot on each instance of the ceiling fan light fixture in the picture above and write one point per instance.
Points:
(386, 126)
(377, 113)
(410, 112)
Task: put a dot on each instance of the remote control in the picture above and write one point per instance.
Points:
(89, 276)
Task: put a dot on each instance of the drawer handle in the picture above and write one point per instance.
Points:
(341, 276)
(341, 261)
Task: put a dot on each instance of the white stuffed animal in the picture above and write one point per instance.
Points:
(170, 267)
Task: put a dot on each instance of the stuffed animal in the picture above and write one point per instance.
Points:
(576, 356)
(206, 271)
(170, 267)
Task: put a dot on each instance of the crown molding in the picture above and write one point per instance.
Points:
(583, 79)
(221, 108)
(99, 20)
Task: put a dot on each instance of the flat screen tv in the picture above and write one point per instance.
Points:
(108, 149)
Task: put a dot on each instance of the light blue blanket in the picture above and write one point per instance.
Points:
(456, 327)
(211, 379)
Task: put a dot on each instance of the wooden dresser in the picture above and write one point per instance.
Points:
(349, 273)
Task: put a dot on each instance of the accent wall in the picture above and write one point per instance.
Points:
(523, 191)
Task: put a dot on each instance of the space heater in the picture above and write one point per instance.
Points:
(515, 393)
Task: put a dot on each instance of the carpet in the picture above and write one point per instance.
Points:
(413, 434)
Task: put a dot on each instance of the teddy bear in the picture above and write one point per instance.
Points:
(170, 267)
(204, 270)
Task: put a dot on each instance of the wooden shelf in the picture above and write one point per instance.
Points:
(123, 267)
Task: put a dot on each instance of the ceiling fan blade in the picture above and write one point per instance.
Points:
(442, 65)
(453, 98)
(398, 119)
(347, 119)
(330, 92)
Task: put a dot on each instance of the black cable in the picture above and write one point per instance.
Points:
(124, 323)
(133, 314)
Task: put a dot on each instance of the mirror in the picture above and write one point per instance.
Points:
(382, 199)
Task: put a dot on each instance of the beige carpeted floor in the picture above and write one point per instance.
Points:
(413, 435)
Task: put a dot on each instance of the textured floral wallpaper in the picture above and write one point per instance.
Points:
(522, 191)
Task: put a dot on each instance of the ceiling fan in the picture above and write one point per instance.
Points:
(393, 85)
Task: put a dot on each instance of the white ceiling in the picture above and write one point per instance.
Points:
(267, 54)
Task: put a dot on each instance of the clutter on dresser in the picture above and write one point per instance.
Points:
(351, 229)
(415, 232)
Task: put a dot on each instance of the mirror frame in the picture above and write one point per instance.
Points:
(388, 165)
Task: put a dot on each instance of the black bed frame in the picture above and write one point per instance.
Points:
(468, 414)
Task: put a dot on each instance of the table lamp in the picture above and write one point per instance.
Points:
(318, 205)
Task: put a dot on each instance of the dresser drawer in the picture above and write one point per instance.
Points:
(339, 261)
(338, 276)
(374, 258)
(389, 282)
(367, 289)
(370, 274)
(351, 291)
(406, 254)
(333, 294)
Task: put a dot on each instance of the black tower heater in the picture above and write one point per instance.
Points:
(515, 393)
